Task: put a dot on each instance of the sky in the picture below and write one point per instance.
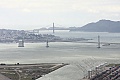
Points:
(34, 14)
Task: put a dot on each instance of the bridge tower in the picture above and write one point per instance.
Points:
(98, 41)
(47, 44)
(53, 28)
(21, 43)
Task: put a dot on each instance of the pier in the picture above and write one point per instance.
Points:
(104, 72)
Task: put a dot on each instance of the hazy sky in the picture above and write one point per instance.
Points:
(31, 14)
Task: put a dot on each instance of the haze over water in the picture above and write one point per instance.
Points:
(64, 52)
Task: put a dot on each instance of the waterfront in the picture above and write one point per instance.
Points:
(27, 71)
(63, 52)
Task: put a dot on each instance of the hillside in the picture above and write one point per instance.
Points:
(101, 26)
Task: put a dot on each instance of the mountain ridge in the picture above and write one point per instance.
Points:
(100, 26)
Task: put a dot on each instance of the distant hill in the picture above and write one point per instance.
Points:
(101, 26)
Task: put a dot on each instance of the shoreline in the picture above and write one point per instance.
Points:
(28, 71)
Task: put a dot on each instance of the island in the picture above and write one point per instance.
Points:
(13, 36)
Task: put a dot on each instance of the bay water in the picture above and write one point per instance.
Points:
(75, 53)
